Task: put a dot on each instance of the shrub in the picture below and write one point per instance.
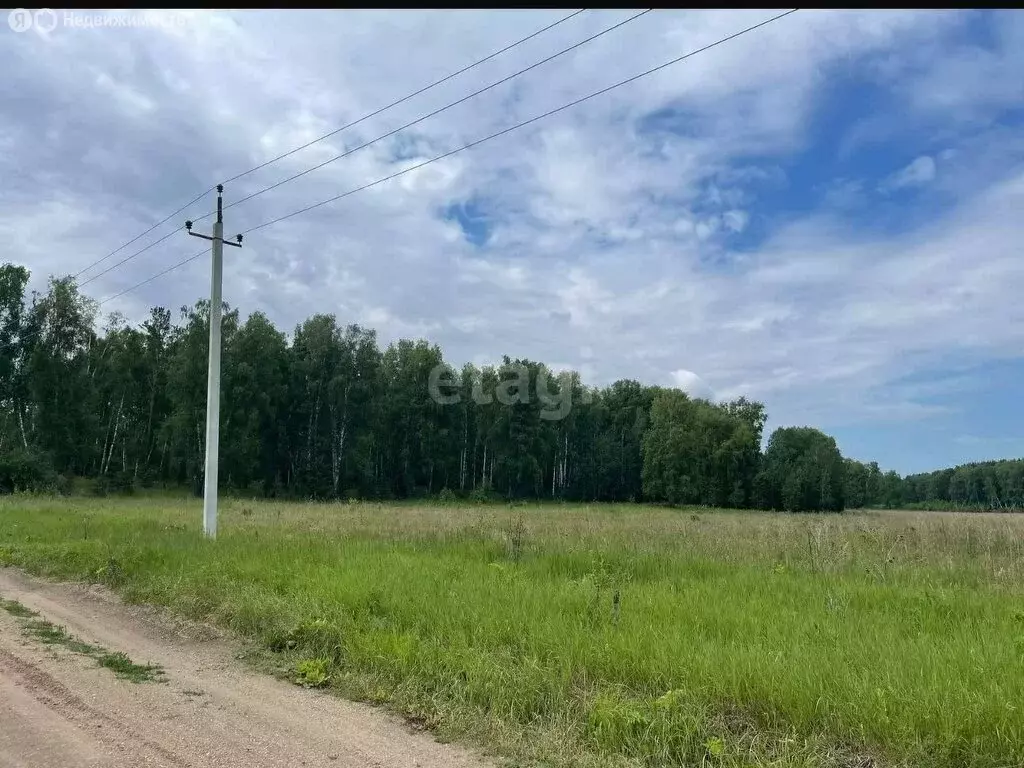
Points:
(122, 483)
(116, 483)
(63, 485)
(26, 470)
(100, 486)
(146, 478)
(481, 496)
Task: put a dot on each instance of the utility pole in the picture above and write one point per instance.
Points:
(213, 373)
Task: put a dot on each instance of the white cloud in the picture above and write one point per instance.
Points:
(692, 384)
(735, 220)
(706, 229)
(919, 172)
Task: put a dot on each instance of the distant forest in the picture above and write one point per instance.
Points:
(329, 414)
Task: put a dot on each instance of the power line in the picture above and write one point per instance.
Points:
(477, 142)
(167, 218)
(181, 263)
(523, 123)
(389, 133)
(376, 112)
(411, 95)
(438, 111)
(126, 259)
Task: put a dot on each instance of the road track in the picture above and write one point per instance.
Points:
(59, 709)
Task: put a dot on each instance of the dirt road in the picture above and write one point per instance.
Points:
(59, 708)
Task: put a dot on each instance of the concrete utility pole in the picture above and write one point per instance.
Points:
(213, 374)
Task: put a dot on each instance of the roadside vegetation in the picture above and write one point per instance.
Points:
(584, 635)
(49, 633)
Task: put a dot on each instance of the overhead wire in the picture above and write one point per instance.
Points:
(522, 124)
(327, 135)
(395, 131)
(121, 247)
(404, 99)
(126, 259)
(495, 135)
(150, 279)
(437, 111)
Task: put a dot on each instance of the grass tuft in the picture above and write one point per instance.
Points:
(16, 609)
(126, 669)
(52, 634)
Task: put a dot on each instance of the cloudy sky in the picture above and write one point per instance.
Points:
(826, 214)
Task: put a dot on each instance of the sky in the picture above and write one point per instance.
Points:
(825, 214)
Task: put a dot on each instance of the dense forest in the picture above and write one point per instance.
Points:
(329, 414)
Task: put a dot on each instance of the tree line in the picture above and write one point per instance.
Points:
(329, 414)
(996, 485)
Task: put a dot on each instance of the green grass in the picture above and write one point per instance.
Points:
(51, 634)
(16, 609)
(739, 639)
(126, 669)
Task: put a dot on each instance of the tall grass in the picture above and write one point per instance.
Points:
(736, 639)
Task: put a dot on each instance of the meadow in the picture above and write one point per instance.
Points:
(586, 635)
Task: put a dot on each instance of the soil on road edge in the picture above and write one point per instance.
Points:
(58, 708)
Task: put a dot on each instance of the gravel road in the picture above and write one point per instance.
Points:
(58, 708)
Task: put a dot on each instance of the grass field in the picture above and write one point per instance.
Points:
(736, 639)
